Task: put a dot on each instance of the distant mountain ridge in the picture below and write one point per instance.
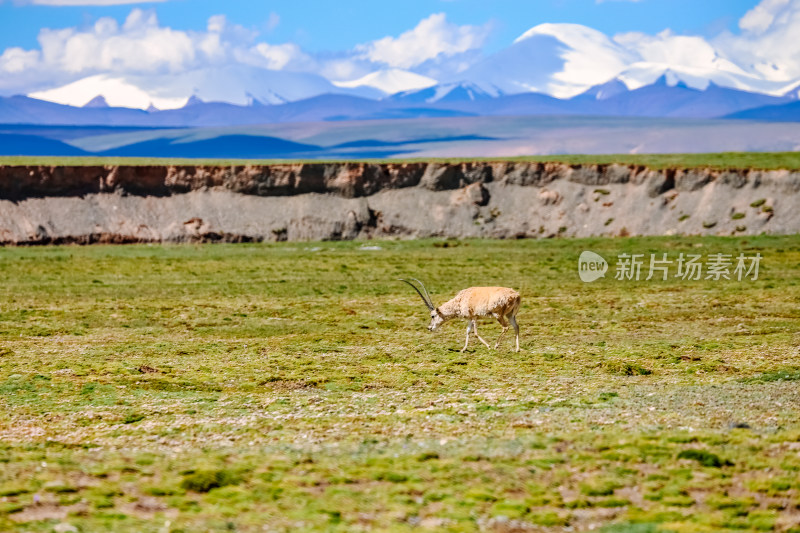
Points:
(447, 92)
(659, 99)
(558, 88)
(789, 112)
(234, 84)
(559, 60)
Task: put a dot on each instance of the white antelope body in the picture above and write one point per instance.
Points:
(499, 302)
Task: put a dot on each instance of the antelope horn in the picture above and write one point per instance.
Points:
(428, 304)
(426, 292)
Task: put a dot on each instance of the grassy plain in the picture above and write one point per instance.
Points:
(723, 160)
(293, 387)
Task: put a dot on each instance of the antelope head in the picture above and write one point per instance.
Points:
(436, 316)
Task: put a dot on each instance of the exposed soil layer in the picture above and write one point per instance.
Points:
(331, 201)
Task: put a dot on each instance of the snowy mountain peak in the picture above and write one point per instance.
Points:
(561, 60)
(793, 92)
(570, 34)
(466, 91)
(606, 90)
(643, 73)
(117, 91)
(448, 92)
(671, 78)
(390, 81)
(267, 97)
(558, 60)
(233, 84)
(564, 60)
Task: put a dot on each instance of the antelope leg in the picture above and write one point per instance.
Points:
(475, 327)
(469, 325)
(513, 321)
(504, 324)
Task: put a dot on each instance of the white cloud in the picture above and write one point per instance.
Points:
(274, 56)
(390, 81)
(682, 51)
(138, 46)
(431, 38)
(761, 17)
(344, 68)
(768, 45)
(16, 60)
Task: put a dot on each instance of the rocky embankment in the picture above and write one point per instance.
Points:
(325, 201)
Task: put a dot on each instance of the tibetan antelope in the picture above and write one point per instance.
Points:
(499, 302)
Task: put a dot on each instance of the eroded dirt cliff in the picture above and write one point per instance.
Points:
(356, 200)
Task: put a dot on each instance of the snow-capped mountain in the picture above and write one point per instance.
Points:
(236, 84)
(564, 60)
(774, 113)
(389, 81)
(604, 91)
(794, 91)
(669, 97)
(115, 91)
(560, 60)
(551, 68)
(641, 74)
(612, 99)
(448, 92)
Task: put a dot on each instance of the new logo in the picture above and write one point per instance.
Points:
(591, 266)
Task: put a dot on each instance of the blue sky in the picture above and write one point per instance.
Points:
(320, 26)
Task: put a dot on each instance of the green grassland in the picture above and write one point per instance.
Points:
(294, 387)
(756, 160)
